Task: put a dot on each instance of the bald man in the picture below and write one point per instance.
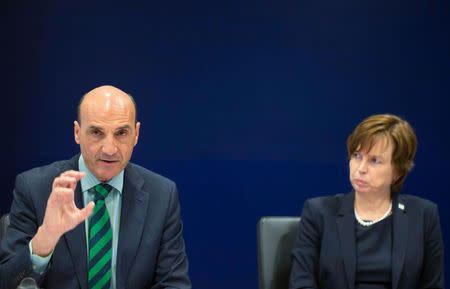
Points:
(96, 220)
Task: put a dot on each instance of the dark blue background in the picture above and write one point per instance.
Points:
(245, 104)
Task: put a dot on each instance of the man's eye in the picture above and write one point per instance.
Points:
(122, 133)
(95, 132)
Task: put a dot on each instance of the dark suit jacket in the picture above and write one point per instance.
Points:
(324, 254)
(150, 251)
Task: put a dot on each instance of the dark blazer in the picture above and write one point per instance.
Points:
(150, 253)
(324, 254)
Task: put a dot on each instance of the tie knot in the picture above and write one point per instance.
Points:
(101, 191)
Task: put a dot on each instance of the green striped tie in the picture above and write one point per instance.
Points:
(100, 241)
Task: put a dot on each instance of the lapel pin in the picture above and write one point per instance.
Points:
(401, 206)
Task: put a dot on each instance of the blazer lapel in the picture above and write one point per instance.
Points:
(346, 229)
(132, 220)
(76, 242)
(400, 238)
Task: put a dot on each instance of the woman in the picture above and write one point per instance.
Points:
(372, 237)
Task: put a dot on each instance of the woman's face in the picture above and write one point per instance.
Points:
(372, 172)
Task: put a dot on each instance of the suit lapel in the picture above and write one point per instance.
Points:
(132, 220)
(346, 231)
(76, 242)
(400, 238)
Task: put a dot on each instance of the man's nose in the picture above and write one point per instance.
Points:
(109, 145)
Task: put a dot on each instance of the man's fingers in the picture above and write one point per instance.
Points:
(64, 182)
(75, 174)
(68, 179)
(61, 196)
(87, 211)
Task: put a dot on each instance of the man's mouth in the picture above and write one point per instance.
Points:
(109, 161)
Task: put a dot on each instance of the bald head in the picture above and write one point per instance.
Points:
(104, 97)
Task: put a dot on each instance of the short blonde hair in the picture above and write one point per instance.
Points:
(398, 132)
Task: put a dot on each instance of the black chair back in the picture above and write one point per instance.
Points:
(276, 237)
(4, 223)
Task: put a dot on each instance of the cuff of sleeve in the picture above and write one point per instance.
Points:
(39, 264)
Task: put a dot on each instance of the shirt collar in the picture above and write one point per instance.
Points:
(90, 180)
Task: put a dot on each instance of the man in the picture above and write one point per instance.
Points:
(107, 223)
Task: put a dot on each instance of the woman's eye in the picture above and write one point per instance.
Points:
(375, 160)
(356, 155)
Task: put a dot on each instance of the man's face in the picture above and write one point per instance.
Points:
(107, 132)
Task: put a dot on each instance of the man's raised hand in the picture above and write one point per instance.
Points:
(61, 213)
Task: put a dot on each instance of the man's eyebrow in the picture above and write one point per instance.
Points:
(93, 127)
(124, 127)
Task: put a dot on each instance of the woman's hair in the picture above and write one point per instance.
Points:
(398, 132)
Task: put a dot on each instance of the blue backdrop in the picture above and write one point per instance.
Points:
(245, 104)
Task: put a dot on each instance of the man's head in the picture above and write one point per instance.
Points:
(106, 130)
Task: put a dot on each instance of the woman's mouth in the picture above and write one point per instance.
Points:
(360, 182)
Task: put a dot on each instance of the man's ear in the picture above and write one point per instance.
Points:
(76, 131)
(138, 125)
